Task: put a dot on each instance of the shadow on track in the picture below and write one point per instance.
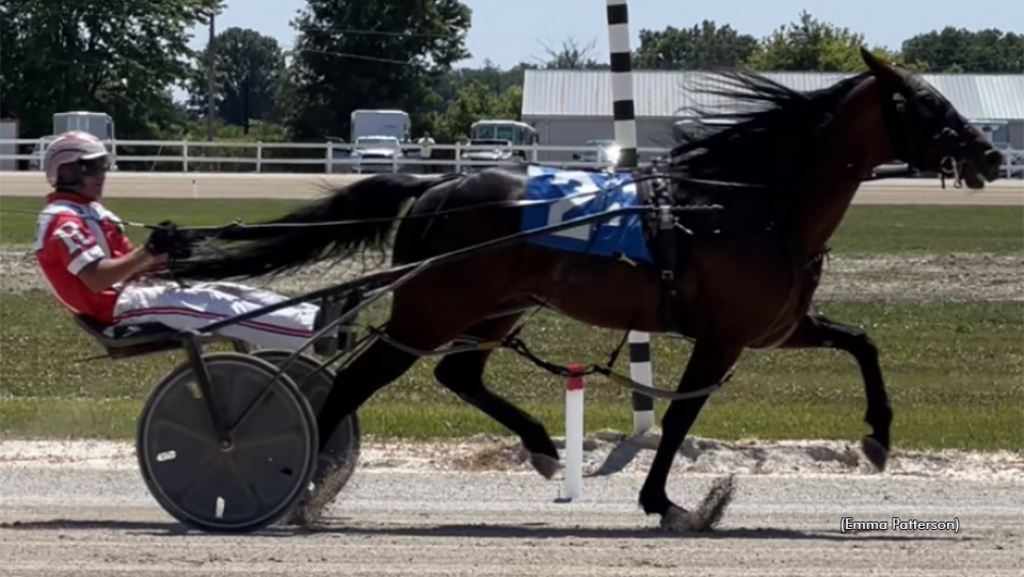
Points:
(495, 531)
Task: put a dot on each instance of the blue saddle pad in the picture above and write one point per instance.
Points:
(578, 194)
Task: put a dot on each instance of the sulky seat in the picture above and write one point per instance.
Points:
(122, 341)
(129, 340)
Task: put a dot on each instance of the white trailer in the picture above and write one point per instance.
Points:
(99, 124)
(380, 123)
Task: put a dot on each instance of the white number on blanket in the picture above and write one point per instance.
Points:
(563, 206)
(581, 232)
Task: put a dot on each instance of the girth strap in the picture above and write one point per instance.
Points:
(662, 227)
(667, 259)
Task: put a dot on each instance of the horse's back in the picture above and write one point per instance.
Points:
(470, 210)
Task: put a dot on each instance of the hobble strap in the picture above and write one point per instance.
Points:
(515, 344)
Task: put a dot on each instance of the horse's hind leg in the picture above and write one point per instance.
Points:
(422, 317)
(819, 332)
(370, 372)
(462, 373)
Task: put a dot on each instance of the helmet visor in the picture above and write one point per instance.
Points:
(95, 165)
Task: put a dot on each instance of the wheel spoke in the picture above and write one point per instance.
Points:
(267, 441)
(167, 422)
(196, 472)
(243, 481)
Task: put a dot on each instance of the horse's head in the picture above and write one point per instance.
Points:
(927, 132)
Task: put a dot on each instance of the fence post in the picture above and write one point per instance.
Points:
(330, 156)
(184, 156)
(458, 157)
(259, 156)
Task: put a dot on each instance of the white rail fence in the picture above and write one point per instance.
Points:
(330, 156)
(334, 157)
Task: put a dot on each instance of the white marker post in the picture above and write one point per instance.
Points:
(574, 433)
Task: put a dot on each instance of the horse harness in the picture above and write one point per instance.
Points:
(670, 238)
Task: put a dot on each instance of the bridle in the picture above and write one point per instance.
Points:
(902, 128)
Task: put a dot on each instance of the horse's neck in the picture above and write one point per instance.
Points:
(854, 144)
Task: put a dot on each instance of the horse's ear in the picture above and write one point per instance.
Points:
(883, 71)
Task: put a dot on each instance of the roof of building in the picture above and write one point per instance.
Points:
(662, 94)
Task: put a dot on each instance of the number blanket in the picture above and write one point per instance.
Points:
(583, 194)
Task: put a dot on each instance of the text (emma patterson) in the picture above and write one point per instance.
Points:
(897, 524)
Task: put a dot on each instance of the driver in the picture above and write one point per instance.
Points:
(93, 270)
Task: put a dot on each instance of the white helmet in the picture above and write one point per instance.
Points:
(74, 146)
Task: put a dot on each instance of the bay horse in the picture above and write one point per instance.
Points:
(789, 164)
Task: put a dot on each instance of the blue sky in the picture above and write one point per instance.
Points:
(511, 31)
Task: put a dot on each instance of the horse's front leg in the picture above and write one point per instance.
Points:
(710, 362)
(816, 331)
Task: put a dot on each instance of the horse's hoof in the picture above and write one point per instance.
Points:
(545, 465)
(303, 515)
(679, 520)
(310, 509)
(875, 452)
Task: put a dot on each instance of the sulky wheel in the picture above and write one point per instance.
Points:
(341, 453)
(244, 481)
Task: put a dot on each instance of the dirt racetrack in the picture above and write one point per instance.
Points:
(230, 185)
(413, 511)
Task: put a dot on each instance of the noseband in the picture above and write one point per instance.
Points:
(902, 128)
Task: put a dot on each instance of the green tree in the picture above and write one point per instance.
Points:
(247, 76)
(476, 102)
(702, 47)
(571, 56)
(814, 45)
(493, 77)
(960, 50)
(353, 54)
(510, 105)
(121, 58)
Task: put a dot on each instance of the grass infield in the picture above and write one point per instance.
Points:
(866, 229)
(953, 372)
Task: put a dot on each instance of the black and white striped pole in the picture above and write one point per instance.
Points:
(625, 137)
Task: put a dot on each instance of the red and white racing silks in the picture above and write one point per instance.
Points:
(73, 233)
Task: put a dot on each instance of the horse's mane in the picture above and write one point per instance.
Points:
(773, 135)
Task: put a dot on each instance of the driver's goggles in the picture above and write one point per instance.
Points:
(94, 166)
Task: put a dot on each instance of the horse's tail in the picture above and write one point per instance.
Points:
(249, 252)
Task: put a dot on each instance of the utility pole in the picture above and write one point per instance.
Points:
(245, 102)
(212, 56)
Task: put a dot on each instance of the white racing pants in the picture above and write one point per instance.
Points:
(198, 305)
